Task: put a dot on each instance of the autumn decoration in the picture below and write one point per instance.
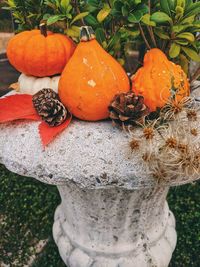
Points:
(40, 53)
(91, 79)
(31, 85)
(127, 109)
(159, 80)
(86, 77)
(21, 107)
(49, 107)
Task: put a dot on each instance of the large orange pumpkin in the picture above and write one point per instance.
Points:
(40, 53)
(159, 80)
(91, 79)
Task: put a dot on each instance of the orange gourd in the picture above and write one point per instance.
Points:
(91, 79)
(40, 53)
(159, 80)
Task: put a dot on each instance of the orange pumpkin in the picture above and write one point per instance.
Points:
(40, 53)
(91, 79)
(159, 80)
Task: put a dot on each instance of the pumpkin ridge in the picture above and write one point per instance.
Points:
(64, 48)
(88, 94)
(65, 40)
(156, 79)
(11, 49)
(24, 53)
(28, 53)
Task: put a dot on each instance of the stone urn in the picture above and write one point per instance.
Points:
(112, 214)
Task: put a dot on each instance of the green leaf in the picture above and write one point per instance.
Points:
(146, 20)
(103, 13)
(160, 17)
(91, 20)
(179, 12)
(188, 20)
(182, 42)
(79, 16)
(184, 62)
(134, 33)
(194, 9)
(54, 19)
(73, 32)
(164, 4)
(180, 3)
(174, 50)
(115, 40)
(172, 4)
(64, 4)
(94, 3)
(179, 28)
(125, 11)
(160, 33)
(191, 54)
(46, 16)
(186, 35)
(11, 3)
(135, 17)
(100, 35)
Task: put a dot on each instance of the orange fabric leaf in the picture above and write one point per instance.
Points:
(17, 107)
(47, 133)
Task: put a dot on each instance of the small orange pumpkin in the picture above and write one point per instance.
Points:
(40, 53)
(91, 79)
(159, 80)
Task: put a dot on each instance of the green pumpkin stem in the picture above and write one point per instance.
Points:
(43, 29)
(87, 34)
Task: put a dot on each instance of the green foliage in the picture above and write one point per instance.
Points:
(27, 14)
(171, 25)
(176, 27)
(184, 202)
(26, 215)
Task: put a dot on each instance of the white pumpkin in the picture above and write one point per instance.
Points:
(31, 85)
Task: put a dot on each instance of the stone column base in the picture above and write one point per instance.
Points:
(148, 252)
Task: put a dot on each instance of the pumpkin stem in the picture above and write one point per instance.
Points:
(43, 29)
(87, 34)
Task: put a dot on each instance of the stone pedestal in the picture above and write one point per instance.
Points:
(112, 213)
(114, 227)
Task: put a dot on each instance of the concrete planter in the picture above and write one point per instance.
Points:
(112, 213)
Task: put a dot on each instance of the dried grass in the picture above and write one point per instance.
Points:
(170, 145)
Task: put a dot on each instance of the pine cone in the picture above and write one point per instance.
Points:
(49, 107)
(42, 96)
(127, 109)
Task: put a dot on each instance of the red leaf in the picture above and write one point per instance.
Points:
(16, 107)
(34, 117)
(47, 133)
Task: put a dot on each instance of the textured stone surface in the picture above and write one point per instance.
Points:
(114, 227)
(94, 155)
(91, 154)
(112, 213)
